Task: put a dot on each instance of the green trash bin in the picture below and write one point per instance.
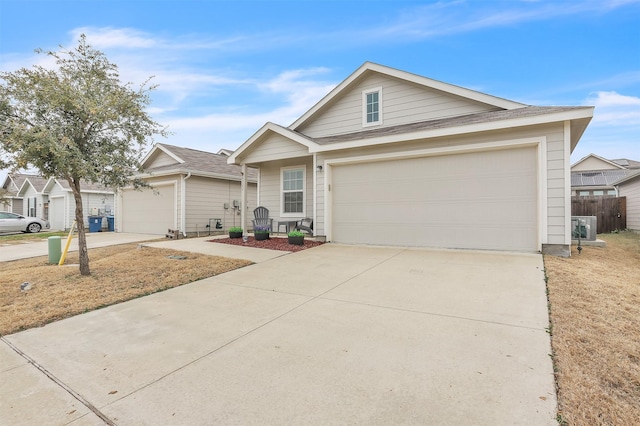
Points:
(55, 249)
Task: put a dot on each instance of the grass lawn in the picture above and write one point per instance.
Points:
(119, 273)
(594, 302)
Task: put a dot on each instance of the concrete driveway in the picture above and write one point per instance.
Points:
(330, 335)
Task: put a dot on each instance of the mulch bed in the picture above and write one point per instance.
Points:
(281, 244)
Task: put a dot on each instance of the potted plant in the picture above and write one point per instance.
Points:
(296, 237)
(235, 232)
(261, 233)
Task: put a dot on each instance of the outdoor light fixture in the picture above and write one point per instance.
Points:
(319, 167)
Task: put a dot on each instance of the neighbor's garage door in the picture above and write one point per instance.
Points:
(146, 212)
(479, 200)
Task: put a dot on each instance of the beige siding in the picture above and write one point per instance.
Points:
(275, 147)
(631, 190)
(402, 103)
(206, 198)
(160, 159)
(593, 163)
(270, 187)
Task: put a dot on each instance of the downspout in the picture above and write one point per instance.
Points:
(315, 196)
(243, 200)
(183, 204)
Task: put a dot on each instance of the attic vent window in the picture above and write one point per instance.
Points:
(371, 107)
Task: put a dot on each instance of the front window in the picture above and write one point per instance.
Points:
(371, 107)
(293, 198)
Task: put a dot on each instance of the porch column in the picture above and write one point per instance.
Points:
(243, 200)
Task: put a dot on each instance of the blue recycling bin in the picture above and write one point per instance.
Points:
(111, 224)
(95, 223)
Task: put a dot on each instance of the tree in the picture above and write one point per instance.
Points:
(77, 122)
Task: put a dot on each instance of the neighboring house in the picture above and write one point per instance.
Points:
(191, 191)
(595, 176)
(35, 202)
(96, 200)
(12, 202)
(393, 158)
(629, 187)
(52, 199)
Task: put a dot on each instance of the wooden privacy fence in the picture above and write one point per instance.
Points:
(610, 212)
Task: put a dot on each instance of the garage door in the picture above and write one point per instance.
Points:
(146, 212)
(56, 213)
(479, 200)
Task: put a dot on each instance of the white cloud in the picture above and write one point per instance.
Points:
(613, 108)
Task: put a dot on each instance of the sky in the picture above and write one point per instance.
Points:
(224, 68)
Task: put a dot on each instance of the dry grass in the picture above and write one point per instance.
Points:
(119, 273)
(595, 314)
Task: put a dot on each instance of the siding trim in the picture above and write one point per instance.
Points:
(540, 142)
(567, 184)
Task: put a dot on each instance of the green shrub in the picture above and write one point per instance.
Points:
(296, 233)
(235, 229)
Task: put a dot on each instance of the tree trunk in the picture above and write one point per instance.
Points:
(83, 253)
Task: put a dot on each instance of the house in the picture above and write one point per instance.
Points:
(195, 192)
(11, 186)
(35, 202)
(629, 187)
(393, 158)
(52, 199)
(595, 176)
(96, 200)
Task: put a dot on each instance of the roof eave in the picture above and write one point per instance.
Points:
(200, 173)
(578, 114)
(270, 127)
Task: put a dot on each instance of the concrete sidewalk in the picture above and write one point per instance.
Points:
(330, 335)
(29, 249)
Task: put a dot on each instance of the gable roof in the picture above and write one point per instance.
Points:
(201, 163)
(499, 114)
(38, 184)
(13, 182)
(84, 186)
(597, 157)
(370, 67)
(626, 163)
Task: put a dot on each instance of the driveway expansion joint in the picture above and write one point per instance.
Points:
(59, 383)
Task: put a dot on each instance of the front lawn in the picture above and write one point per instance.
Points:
(595, 324)
(119, 273)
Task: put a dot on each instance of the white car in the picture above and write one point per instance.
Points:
(12, 222)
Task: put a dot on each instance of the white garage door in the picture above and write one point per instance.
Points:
(56, 213)
(479, 200)
(146, 212)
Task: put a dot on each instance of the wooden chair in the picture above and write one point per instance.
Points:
(262, 219)
(306, 225)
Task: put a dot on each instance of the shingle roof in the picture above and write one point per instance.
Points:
(84, 186)
(196, 161)
(483, 117)
(598, 177)
(625, 162)
(37, 182)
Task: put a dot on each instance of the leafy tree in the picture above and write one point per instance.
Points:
(76, 121)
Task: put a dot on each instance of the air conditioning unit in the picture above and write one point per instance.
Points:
(584, 227)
